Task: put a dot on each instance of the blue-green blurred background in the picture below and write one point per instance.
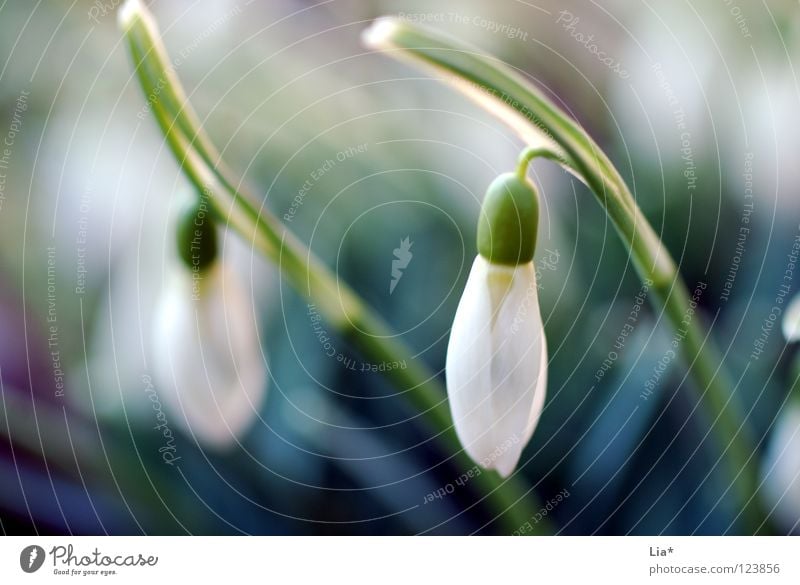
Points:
(283, 86)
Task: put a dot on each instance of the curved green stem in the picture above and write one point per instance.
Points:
(549, 131)
(512, 502)
(532, 152)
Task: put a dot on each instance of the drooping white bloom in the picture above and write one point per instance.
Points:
(497, 363)
(207, 361)
(780, 470)
(791, 321)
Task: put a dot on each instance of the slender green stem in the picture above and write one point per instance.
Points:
(532, 152)
(512, 502)
(549, 131)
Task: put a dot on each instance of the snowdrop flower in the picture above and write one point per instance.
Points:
(207, 362)
(791, 321)
(497, 355)
(780, 469)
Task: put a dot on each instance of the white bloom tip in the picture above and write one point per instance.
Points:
(506, 464)
(380, 33)
(791, 321)
(128, 12)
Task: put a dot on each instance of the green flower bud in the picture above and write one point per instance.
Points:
(196, 236)
(509, 220)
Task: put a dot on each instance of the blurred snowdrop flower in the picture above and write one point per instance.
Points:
(497, 355)
(207, 362)
(791, 321)
(780, 469)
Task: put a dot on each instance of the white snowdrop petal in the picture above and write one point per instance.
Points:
(791, 320)
(470, 343)
(517, 339)
(496, 364)
(207, 361)
(539, 395)
(781, 470)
